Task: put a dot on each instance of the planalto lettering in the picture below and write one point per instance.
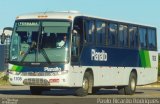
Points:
(98, 56)
(52, 69)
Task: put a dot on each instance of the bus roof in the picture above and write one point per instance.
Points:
(50, 15)
(68, 15)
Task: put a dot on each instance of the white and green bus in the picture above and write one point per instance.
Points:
(71, 50)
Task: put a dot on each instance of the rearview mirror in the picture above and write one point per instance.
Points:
(74, 32)
(8, 28)
(3, 37)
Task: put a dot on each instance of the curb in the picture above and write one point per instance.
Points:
(157, 84)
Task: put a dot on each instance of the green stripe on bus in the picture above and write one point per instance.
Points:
(145, 59)
(17, 68)
(142, 58)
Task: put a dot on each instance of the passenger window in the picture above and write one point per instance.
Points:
(143, 38)
(152, 39)
(100, 33)
(123, 36)
(133, 37)
(90, 31)
(112, 35)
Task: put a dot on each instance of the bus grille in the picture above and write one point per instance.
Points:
(36, 81)
(36, 74)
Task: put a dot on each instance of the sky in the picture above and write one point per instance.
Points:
(134, 11)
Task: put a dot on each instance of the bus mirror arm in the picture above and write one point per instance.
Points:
(75, 32)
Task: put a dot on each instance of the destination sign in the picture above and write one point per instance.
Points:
(28, 23)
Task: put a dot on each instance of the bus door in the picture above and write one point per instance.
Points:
(77, 39)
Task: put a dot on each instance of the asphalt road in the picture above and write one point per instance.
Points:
(21, 95)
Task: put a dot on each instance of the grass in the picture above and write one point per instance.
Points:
(3, 79)
(3, 82)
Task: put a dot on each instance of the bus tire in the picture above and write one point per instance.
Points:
(36, 90)
(131, 88)
(86, 85)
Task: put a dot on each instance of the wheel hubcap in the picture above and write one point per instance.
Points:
(85, 84)
(133, 84)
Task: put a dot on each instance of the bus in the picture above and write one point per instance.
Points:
(86, 53)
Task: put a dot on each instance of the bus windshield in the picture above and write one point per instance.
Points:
(40, 41)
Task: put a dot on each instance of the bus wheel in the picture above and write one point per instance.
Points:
(86, 85)
(130, 89)
(36, 90)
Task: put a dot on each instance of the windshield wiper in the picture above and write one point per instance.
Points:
(41, 50)
(25, 55)
(43, 53)
(38, 48)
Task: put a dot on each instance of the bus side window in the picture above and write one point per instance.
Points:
(100, 33)
(123, 36)
(143, 38)
(112, 35)
(90, 31)
(133, 37)
(152, 39)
